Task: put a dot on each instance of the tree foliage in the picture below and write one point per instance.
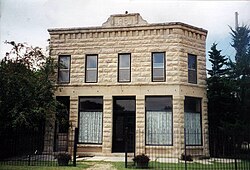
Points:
(240, 72)
(26, 90)
(229, 85)
(219, 91)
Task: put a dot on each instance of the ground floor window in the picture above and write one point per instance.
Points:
(192, 109)
(159, 120)
(90, 119)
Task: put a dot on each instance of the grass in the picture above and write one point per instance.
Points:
(79, 166)
(243, 165)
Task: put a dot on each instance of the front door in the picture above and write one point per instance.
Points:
(123, 118)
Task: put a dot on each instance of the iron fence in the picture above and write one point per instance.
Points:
(194, 150)
(33, 148)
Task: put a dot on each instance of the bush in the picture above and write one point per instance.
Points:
(141, 161)
(186, 157)
(63, 159)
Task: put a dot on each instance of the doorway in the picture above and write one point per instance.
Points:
(123, 118)
(62, 124)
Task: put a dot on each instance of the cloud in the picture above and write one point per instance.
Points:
(28, 20)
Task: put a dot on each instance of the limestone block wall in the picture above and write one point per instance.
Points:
(176, 41)
(139, 39)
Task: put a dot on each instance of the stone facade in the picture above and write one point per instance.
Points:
(129, 33)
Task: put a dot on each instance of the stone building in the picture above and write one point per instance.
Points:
(128, 74)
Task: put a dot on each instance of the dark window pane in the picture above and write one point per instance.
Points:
(192, 105)
(124, 61)
(91, 76)
(64, 69)
(124, 68)
(192, 62)
(158, 74)
(64, 62)
(124, 75)
(91, 104)
(192, 109)
(159, 120)
(159, 103)
(192, 77)
(124, 105)
(192, 69)
(158, 58)
(63, 76)
(91, 61)
(158, 67)
(91, 68)
(90, 119)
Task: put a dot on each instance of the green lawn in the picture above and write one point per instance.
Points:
(243, 165)
(79, 166)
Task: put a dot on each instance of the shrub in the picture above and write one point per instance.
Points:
(63, 159)
(141, 161)
(186, 157)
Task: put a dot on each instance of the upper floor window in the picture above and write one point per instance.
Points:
(158, 66)
(192, 69)
(91, 69)
(64, 69)
(124, 68)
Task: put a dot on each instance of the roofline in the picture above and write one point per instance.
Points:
(77, 29)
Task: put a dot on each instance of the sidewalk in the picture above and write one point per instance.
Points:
(105, 158)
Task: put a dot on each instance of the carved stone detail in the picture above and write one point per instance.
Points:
(124, 20)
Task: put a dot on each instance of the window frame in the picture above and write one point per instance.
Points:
(172, 122)
(201, 135)
(164, 66)
(79, 110)
(60, 69)
(118, 77)
(87, 69)
(190, 70)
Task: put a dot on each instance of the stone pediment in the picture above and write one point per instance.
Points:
(125, 20)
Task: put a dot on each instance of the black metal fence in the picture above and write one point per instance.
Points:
(33, 148)
(190, 151)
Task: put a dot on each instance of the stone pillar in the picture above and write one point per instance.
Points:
(107, 125)
(178, 125)
(205, 127)
(140, 125)
(73, 122)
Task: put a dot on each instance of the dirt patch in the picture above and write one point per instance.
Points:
(101, 166)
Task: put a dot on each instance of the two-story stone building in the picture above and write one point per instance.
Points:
(150, 78)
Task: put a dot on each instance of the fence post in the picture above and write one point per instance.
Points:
(185, 149)
(235, 154)
(126, 147)
(75, 145)
(29, 160)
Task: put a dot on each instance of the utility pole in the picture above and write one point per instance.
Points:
(236, 20)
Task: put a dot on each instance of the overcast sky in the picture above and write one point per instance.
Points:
(28, 20)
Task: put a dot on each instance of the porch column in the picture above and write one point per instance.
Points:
(205, 131)
(140, 125)
(107, 125)
(178, 125)
(73, 122)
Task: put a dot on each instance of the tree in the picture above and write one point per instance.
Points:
(240, 72)
(26, 91)
(219, 91)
